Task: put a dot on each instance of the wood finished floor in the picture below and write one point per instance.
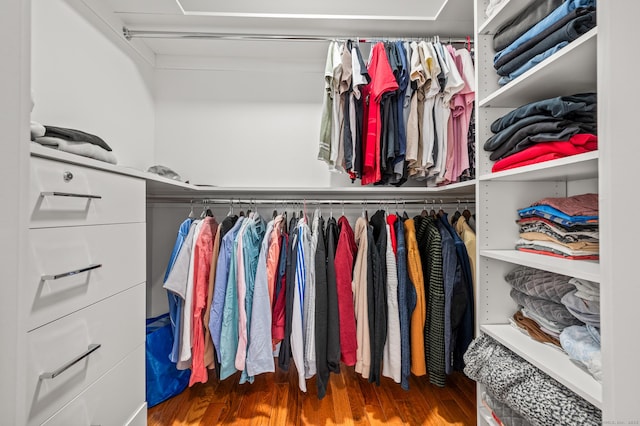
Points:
(274, 399)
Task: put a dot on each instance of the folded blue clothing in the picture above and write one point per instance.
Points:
(557, 216)
(582, 344)
(564, 9)
(531, 63)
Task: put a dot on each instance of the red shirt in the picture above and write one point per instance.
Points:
(382, 81)
(391, 220)
(345, 254)
(545, 151)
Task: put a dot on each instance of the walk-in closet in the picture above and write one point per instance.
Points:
(333, 213)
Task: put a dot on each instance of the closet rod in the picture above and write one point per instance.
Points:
(370, 201)
(130, 34)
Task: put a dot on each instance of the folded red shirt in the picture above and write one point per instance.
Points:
(545, 151)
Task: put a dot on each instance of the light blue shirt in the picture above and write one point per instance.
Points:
(175, 303)
(563, 10)
(251, 242)
(220, 289)
(531, 63)
(176, 282)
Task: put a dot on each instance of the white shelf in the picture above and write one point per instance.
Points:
(583, 269)
(506, 11)
(552, 361)
(569, 71)
(581, 166)
(162, 189)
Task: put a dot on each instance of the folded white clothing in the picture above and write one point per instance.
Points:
(37, 130)
(84, 149)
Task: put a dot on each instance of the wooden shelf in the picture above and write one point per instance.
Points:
(583, 269)
(506, 11)
(571, 70)
(550, 360)
(582, 166)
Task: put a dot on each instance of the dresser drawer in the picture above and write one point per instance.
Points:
(73, 267)
(89, 197)
(117, 324)
(112, 400)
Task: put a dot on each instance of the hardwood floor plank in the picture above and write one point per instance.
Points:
(274, 399)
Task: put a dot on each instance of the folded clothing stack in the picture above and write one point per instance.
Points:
(540, 294)
(563, 227)
(531, 41)
(582, 343)
(544, 130)
(73, 141)
(540, 399)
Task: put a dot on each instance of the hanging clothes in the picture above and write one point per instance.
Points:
(322, 309)
(377, 294)
(406, 304)
(391, 366)
(360, 299)
(345, 252)
(419, 314)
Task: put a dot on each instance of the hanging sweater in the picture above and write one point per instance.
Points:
(419, 315)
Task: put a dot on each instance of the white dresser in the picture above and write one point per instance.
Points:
(83, 299)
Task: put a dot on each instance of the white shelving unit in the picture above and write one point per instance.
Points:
(549, 359)
(499, 195)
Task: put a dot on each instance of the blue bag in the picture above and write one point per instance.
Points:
(164, 380)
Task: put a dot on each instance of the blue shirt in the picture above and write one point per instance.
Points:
(220, 289)
(563, 10)
(531, 63)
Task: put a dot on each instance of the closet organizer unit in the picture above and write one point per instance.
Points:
(569, 71)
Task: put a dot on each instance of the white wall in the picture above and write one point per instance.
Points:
(81, 79)
(245, 128)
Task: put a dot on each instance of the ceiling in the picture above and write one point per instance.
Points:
(328, 18)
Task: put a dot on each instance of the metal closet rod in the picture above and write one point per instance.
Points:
(369, 201)
(130, 34)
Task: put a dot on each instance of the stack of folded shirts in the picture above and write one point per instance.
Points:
(544, 130)
(73, 141)
(540, 294)
(554, 31)
(561, 227)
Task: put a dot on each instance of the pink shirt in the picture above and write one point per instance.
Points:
(202, 255)
(273, 256)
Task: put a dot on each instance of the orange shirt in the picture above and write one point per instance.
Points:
(419, 315)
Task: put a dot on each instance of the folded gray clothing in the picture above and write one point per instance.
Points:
(539, 283)
(37, 130)
(164, 172)
(558, 107)
(548, 325)
(507, 415)
(495, 141)
(84, 149)
(74, 135)
(587, 311)
(510, 379)
(545, 308)
(540, 132)
(552, 327)
(587, 290)
(510, 31)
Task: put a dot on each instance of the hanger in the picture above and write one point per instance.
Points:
(342, 207)
(424, 209)
(440, 211)
(191, 214)
(432, 213)
(466, 213)
(275, 211)
(241, 211)
(230, 213)
(456, 214)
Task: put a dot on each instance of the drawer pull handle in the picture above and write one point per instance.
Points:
(69, 194)
(70, 273)
(52, 374)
